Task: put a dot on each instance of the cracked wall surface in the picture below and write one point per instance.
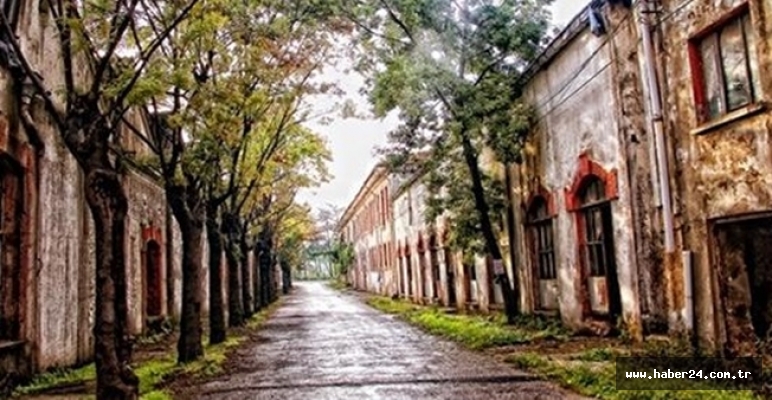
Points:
(722, 169)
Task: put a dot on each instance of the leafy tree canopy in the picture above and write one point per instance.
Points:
(452, 70)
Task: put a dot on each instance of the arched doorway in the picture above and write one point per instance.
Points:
(450, 270)
(153, 284)
(423, 282)
(597, 248)
(434, 264)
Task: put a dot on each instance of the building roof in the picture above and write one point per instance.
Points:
(378, 171)
(577, 25)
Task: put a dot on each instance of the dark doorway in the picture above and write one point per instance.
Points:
(435, 266)
(11, 203)
(409, 273)
(470, 278)
(745, 270)
(154, 287)
(450, 269)
(598, 251)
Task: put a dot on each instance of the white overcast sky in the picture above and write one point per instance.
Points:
(352, 141)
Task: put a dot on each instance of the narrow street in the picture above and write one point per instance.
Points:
(322, 344)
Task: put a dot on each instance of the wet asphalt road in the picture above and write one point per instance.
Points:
(322, 344)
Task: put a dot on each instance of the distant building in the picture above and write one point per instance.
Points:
(47, 274)
(589, 208)
(366, 225)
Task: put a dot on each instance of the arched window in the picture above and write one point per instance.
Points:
(542, 239)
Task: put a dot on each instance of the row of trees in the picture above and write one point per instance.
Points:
(225, 82)
(454, 72)
(223, 85)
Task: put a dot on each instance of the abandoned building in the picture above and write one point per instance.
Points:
(583, 192)
(718, 68)
(367, 225)
(47, 294)
(645, 192)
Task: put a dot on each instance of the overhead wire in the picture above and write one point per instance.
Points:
(589, 59)
(581, 68)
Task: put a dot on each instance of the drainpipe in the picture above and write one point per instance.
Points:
(648, 7)
(646, 26)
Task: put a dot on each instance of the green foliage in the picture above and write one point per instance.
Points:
(476, 332)
(593, 373)
(156, 395)
(598, 354)
(338, 284)
(449, 190)
(58, 378)
(452, 70)
(343, 256)
(155, 372)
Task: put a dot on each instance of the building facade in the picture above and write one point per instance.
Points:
(584, 191)
(47, 251)
(717, 73)
(366, 225)
(645, 192)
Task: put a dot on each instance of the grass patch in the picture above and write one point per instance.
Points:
(155, 372)
(591, 372)
(392, 306)
(597, 354)
(476, 332)
(58, 378)
(598, 379)
(337, 284)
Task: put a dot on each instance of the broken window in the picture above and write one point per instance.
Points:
(728, 77)
(542, 245)
(744, 263)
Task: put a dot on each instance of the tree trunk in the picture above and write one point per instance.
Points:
(235, 302)
(256, 279)
(273, 288)
(187, 210)
(491, 243)
(264, 265)
(265, 273)
(108, 204)
(217, 329)
(511, 222)
(286, 279)
(246, 284)
(235, 280)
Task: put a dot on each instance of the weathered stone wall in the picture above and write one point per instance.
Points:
(579, 115)
(722, 168)
(65, 255)
(146, 220)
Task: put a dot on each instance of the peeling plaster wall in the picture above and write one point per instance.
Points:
(366, 274)
(65, 286)
(147, 209)
(720, 172)
(60, 307)
(579, 113)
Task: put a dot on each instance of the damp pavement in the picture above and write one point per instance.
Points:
(324, 344)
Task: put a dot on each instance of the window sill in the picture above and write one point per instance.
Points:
(736, 115)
